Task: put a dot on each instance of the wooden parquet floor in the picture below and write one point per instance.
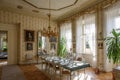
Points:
(31, 72)
(89, 75)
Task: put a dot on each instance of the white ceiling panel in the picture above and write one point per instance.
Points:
(11, 5)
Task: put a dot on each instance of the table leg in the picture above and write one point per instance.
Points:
(84, 73)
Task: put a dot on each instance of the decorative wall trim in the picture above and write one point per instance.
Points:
(48, 8)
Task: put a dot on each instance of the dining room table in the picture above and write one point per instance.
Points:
(66, 63)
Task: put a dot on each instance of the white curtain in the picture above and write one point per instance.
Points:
(86, 38)
(90, 33)
(43, 42)
(79, 35)
(111, 20)
(66, 32)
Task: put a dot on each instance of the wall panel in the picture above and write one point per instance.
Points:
(26, 22)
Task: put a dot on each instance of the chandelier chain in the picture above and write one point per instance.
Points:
(48, 32)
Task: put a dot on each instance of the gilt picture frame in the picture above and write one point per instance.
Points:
(53, 39)
(29, 35)
(29, 46)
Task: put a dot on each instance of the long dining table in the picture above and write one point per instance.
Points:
(66, 63)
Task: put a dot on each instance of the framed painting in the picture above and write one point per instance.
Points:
(29, 35)
(29, 46)
(100, 45)
(53, 39)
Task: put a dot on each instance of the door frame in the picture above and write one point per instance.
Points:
(8, 27)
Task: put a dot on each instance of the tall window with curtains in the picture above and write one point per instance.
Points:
(79, 35)
(90, 34)
(85, 34)
(43, 42)
(66, 32)
(112, 18)
(111, 21)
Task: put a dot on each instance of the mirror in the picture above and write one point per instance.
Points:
(41, 45)
(46, 45)
(42, 42)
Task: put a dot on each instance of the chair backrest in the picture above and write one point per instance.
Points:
(79, 59)
(29, 56)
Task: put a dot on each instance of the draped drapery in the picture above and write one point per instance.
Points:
(85, 34)
(90, 37)
(66, 32)
(43, 42)
(90, 33)
(79, 35)
(111, 18)
(86, 38)
(111, 21)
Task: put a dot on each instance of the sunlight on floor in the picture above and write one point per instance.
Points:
(3, 63)
(82, 76)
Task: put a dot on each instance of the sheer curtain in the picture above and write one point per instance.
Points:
(79, 35)
(85, 34)
(86, 38)
(111, 20)
(90, 31)
(90, 38)
(66, 32)
(43, 42)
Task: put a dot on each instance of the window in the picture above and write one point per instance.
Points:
(79, 36)
(43, 42)
(86, 38)
(66, 32)
(111, 18)
(111, 21)
(89, 32)
(117, 22)
(85, 34)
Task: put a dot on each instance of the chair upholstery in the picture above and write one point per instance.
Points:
(79, 59)
(29, 57)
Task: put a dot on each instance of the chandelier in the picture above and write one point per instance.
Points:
(49, 32)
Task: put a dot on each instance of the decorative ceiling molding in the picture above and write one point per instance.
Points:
(102, 4)
(48, 8)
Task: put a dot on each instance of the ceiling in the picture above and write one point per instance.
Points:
(20, 6)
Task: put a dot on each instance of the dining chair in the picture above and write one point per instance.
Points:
(79, 59)
(29, 58)
(43, 63)
(53, 67)
(64, 72)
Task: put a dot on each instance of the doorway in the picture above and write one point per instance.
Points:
(13, 42)
(3, 47)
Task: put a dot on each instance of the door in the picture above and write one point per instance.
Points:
(3, 47)
(12, 42)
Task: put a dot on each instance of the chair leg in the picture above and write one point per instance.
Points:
(41, 66)
(70, 76)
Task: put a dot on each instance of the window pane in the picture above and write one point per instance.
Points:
(85, 34)
(90, 37)
(117, 22)
(79, 35)
(66, 32)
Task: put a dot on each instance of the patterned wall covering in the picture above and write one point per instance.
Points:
(26, 22)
